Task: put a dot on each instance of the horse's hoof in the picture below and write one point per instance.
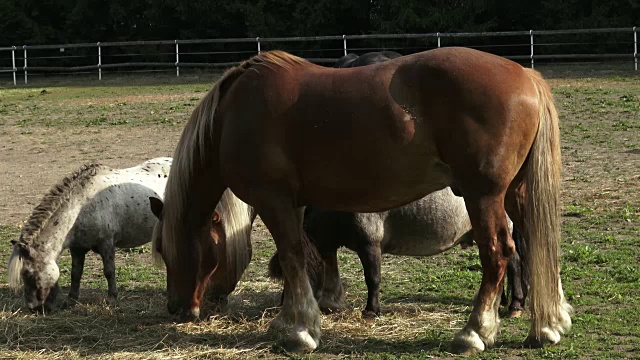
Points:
(329, 306)
(467, 342)
(547, 337)
(69, 303)
(369, 314)
(514, 314)
(300, 342)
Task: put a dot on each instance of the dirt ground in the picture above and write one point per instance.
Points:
(31, 163)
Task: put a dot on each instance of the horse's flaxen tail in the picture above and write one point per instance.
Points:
(541, 213)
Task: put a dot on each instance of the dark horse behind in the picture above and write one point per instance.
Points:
(352, 60)
(429, 226)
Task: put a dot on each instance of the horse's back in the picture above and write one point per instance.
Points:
(411, 115)
(118, 209)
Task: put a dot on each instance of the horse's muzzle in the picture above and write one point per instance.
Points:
(184, 314)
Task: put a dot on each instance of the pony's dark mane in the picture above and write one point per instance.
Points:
(193, 147)
(58, 195)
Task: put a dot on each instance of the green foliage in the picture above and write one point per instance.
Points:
(60, 21)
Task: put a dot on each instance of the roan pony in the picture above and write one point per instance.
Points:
(95, 208)
(426, 227)
(283, 133)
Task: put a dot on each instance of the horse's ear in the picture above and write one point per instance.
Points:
(156, 206)
(215, 217)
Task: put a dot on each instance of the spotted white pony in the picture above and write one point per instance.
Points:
(95, 208)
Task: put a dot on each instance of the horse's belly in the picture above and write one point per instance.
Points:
(420, 245)
(428, 226)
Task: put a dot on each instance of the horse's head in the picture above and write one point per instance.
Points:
(186, 290)
(35, 274)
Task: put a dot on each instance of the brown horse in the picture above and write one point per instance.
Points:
(283, 133)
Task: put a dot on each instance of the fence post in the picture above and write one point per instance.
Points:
(177, 59)
(344, 44)
(531, 35)
(438, 35)
(99, 61)
(635, 48)
(258, 42)
(13, 64)
(24, 47)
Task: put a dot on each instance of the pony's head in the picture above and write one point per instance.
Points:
(34, 274)
(185, 291)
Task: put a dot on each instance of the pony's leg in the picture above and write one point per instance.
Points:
(495, 245)
(371, 259)
(284, 221)
(108, 254)
(77, 266)
(514, 283)
(332, 294)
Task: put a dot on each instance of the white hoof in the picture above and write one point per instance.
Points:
(301, 341)
(467, 342)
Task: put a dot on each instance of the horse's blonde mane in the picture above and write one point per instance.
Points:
(195, 142)
(236, 221)
(57, 196)
(14, 269)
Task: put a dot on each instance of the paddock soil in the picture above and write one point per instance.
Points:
(47, 132)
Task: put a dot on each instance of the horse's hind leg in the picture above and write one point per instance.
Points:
(77, 266)
(495, 245)
(284, 221)
(371, 259)
(515, 279)
(108, 254)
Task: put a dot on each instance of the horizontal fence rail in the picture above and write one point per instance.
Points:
(524, 46)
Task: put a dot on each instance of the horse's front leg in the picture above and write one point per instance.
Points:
(371, 259)
(495, 245)
(284, 221)
(77, 267)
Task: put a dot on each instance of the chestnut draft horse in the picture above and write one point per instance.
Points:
(282, 133)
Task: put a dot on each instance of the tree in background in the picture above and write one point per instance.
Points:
(59, 21)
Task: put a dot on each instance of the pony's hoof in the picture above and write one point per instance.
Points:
(300, 342)
(369, 314)
(467, 342)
